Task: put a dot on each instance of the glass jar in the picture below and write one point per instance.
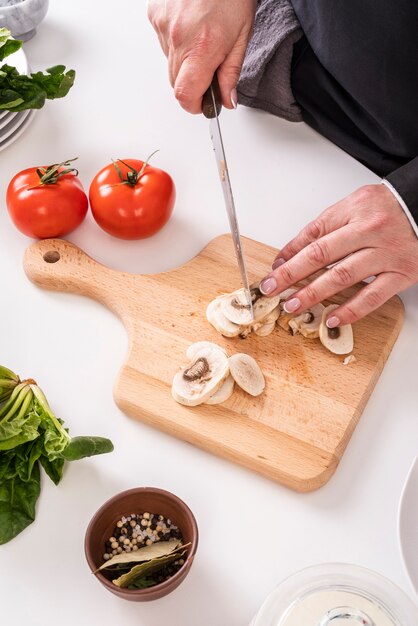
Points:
(337, 594)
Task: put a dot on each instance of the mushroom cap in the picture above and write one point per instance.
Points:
(224, 393)
(218, 320)
(235, 307)
(198, 381)
(247, 373)
(344, 342)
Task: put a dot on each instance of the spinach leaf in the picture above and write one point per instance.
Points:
(54, 468)
(8, 45)
(17, 504)
(56, 83)
(81, 447)
(19, 92)
(29, 432)
(7, 465)
(31, 435)
(26, 457)
(20, 427)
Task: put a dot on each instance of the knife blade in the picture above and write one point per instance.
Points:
(212, 106)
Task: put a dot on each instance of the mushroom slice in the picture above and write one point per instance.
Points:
(349, 359)
(194, 348)
(284, 319)
(337, 340)
(308, 323)
(247, 373)
(218, 320)
(287, 293)
(246, 332)
(235, 307)
(265, 330)
(202, 378)
(224, 393)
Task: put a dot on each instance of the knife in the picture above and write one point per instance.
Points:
(212, 107)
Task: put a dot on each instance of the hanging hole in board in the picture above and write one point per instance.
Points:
(52, 256)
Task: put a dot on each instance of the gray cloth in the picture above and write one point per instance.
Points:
(265, 77)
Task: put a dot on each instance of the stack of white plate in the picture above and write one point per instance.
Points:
(12, 125)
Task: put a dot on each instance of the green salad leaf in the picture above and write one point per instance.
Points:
(31, 437)
(20, 92)
(8, 45)
(17, 504)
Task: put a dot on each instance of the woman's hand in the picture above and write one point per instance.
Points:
(200, 37)
(366, 234)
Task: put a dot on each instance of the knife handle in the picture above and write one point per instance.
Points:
(208, 107)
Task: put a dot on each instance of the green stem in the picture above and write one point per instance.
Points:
(9, 403)
(51, 175)
(18, 401)
(5, 373)
(132, 176)
(41, 398)
(25, 405)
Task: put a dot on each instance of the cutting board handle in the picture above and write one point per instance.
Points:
(58, 265)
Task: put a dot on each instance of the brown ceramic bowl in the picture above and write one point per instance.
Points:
(137, 501)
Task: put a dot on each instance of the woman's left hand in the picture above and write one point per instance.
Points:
(366, 234)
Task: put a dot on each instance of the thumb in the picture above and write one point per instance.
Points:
(229, 72)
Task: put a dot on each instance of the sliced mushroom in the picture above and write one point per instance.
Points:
(224, 393)
(308, 323)
(194, 348)
(269, 319)
(202, 378)
(247, 374)
(265, 330)
(236, 308)
(284, 318)
(349, 359)
(218, 320)
(337, 340)
(287, 293)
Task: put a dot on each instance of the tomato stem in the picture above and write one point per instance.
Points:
(50, 175)
(132, 175)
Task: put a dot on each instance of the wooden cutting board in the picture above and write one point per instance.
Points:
(297, 431)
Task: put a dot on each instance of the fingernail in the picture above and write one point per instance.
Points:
(234, 98)
(333, 322)
(277, 263)
(268, 285)
(292, 305)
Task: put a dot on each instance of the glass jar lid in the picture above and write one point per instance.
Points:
(337, 594)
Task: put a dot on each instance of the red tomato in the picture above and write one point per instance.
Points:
(132, 200)
(46, 209)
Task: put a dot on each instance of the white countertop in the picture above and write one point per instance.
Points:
(253, 532)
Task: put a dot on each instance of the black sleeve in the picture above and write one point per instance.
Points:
(405, 181)
(357, 83)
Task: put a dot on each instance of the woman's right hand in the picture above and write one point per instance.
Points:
(199, 37)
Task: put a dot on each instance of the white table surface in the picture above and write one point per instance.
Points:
(283, 175)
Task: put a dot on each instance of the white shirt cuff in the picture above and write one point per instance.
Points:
(403, 205)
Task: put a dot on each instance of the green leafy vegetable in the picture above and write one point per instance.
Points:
(8, 45)
(19, 92)
(32, 436)
(17, 504)
(82, 447)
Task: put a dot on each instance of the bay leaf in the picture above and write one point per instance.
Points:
(146, 568)
(155, 550)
